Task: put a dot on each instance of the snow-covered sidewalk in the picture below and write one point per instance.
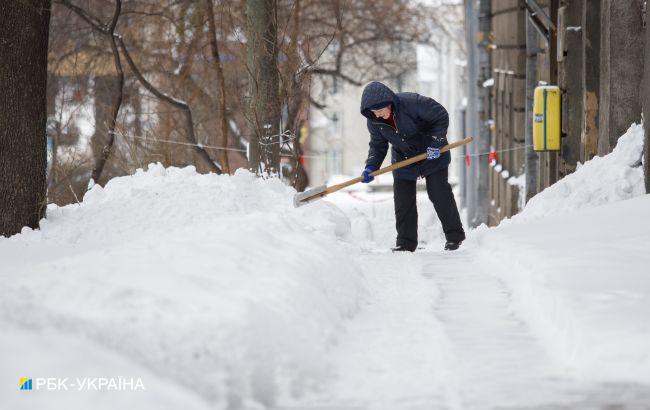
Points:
(548, 310)
(440, 331)
(394, 353)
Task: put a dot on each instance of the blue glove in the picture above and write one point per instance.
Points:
(433, 153)
(366, 174)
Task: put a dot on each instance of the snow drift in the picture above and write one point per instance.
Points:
(214, 282)
(577, 261)
(581, 281)
(613, 177)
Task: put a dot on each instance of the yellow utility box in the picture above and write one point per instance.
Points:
(546, 119)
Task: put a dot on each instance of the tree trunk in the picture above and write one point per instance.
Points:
(264, 106)
(24, 27)
(295, 96)
(105, 88)
(212, 32)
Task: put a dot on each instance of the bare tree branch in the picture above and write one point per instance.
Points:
(189, 124)
(116, 38)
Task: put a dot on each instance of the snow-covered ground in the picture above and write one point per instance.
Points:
(602, 180)
(577, 258)
(217, 293)
(214, 283)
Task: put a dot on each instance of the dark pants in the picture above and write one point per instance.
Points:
(406, 212)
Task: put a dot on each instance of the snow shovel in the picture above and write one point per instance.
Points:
(301, 198)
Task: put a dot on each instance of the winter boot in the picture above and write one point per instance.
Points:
(401, 249)
(452, 246)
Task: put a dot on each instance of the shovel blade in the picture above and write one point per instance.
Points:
(302, 198)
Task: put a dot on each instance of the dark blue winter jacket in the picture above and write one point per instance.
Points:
(421, 122)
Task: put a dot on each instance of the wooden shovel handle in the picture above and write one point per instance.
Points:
(396, 165)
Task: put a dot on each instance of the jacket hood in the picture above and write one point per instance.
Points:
(375, 94)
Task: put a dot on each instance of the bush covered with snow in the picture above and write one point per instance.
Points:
(601, 180)
(214, 282)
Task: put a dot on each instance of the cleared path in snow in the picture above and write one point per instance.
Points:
(438, 332)
(499, 363)
(395, 353)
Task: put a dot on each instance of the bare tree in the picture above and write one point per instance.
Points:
(198, 53)
(264, 106)
(118, 42)
(24, 29)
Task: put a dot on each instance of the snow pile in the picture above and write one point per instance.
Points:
(581, 281)
(215, 283)
(601, 180)
(576, 262)
(372, 217)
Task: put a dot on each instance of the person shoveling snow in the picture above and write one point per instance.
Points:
(416, 127)
(413, 124)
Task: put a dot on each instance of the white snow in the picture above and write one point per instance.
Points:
(215, 283)
(218, 294)
(42, 353)
(577, 260)
(518, 181)
(580, 280)
(373, 221)
(602, 180)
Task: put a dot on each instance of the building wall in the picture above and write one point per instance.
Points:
(599, 68)
(508, 99)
